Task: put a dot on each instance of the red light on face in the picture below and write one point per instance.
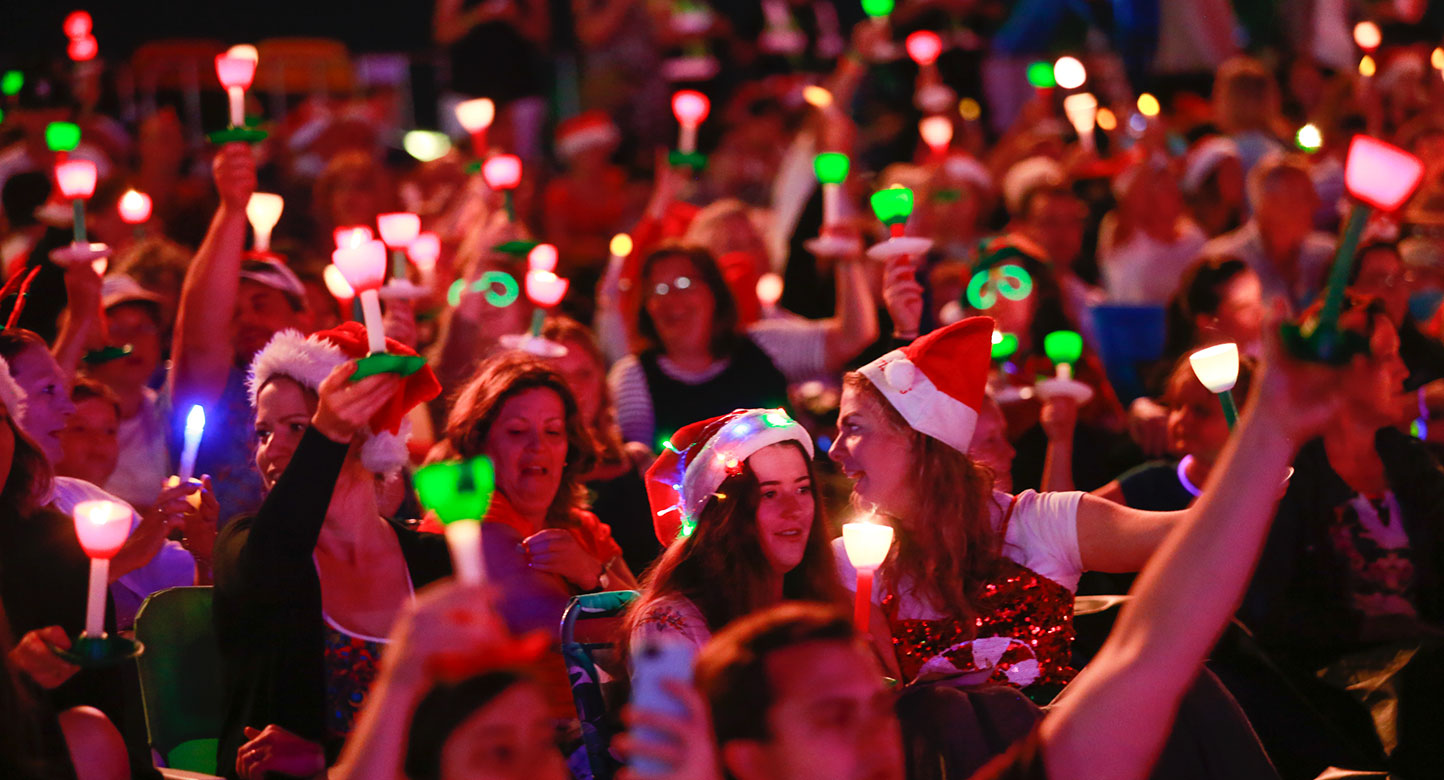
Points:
(924, 46)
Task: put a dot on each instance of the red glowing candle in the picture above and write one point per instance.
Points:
(424, 252)
(83, 49)
(866, 543)
(134, 207)
(923, 47)
(102, 528)
(76, 179)
(476, 117)
(235, 74)
(937, 133)
(352, 236)
(542, 257)
(691, 108)
(77, 24)
(364, 269)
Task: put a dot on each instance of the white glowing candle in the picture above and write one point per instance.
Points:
(101, 527)
(195, 428)
(463, 538)
(866, 543)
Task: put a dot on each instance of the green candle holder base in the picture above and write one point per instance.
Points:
(694, 160)
(246, 135)
(93, 652)
(96, 357)
(518, 248)
(387, 363)
(1329, 346)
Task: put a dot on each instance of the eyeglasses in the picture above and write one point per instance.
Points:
(680, 284)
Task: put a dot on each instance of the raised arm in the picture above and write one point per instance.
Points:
(201, 352)
(855, 326)
(82, 316)
(1117, 714)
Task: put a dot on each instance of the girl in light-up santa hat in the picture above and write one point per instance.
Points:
(308, 586)
(969, 562)
(734, 498)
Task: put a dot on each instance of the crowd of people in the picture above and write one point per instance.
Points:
(1095, 569)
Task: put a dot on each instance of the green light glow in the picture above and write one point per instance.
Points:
(1040, 75)
(1063, 346)
(11, 82)
(457, 490)
(62, 136)
(893, 205)
(877, 9)
(831, 167)
(1004, 345)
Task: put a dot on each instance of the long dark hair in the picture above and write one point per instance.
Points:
(1200, 291)
(724, 311)
(28, 481)
(947, 547)
(721, 568)
(496, 381)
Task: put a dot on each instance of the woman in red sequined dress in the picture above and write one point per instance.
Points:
(969, 562)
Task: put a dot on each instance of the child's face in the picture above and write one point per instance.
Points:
(1196, 425)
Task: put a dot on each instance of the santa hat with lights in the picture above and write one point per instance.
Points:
(585, 131)
(309, 360)
(700, 456)
(937, 382)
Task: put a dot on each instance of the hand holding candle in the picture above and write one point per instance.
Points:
(76, 179)
(364, 268)
(691, 108)
(459, 494)
(102, 528)
(867, 543)
(1065, 349)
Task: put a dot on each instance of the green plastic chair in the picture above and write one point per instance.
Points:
(588, 632)
(180, 677)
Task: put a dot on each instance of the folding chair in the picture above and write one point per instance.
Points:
(589, 630)
(180, 678)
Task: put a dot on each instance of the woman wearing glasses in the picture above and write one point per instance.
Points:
(699, 363)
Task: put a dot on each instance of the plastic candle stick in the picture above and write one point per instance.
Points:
(1379, 176)
(1064, 348)
(691, 108)
(398, 230)
(364, 268)
(937, 133)
(459, 494)
(1217, 368)
(831, 169)
(101, 527)
(924, 47)
(195, 428)
(1069, 73)
(476, 117)
(236, 74)
(893, 206)
(1082, 112)
(866, 543)
(1040, 75)
(62, 136)
(77, 182)
(545, 289)
(769, 291)
(502, 173)
(337, 285)
(134, 207)
(263, 211)
(424, 252)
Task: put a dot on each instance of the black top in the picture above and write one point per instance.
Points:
(1154, 487)
(268, 602)
(621, 503)
(750, 381)
(496, 60)
(44, 581)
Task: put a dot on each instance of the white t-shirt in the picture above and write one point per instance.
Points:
(1144, 270)
(144, 461)
(171, 567)
(1042, 535)
(795, 345)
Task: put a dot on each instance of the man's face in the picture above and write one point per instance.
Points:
(831, 719)
(261, 312)
(1287, 213)
(1057, 222)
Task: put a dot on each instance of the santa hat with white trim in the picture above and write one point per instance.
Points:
(699, 457)
(584, 131)
(309, 360)
(937, 382)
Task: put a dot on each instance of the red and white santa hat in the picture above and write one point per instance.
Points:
(937, 382)
(309, 360)
(699, 457)
(11, 394)
(584, 131)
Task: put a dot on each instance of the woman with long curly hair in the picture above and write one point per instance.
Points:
(735, 495)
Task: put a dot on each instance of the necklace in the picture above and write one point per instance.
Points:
(1183, 465)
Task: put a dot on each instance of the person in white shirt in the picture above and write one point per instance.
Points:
(1147, 242)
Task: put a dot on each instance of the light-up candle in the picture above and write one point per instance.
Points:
(1040, 75)
(134, 207)
(62, 137)
(937, 133)
(476, 117)
(1368, 36)
(924, 47)
(398, 230)
(424, 252)
(545, 289)
(878, 10)
(426, 145)
(77, 24)
(831, 169)
(264, 211)
(769, 291)
(1064, 348)
(1217, 368)
(364, 268)
(459, 494)
(542, 257)
(102, 528)
(236, 74)
(893, 206)
(866, 543)
(337, 285)
(352, 236)
(195, 428)
(691, 108)
(77, 182)
(83, 49)
(1082, 111)
(502, 173)
(1069, 73)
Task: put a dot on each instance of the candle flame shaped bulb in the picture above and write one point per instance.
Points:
(1217, 369)
(425, 251)
(83, 49)
(336, 284)
(476, 115)
(1082, 112)
(245, 51)
(1380, 174)
(1069, 73)
(502, 172)
(831, 169)
(398, 229)
(1040, 75)
(817, 97)
(691, 108)
(924, 47)
(347, 237)
(102, 528)
(134, 207)
(1368, 36)
(878, 9)
(364, 267)
(77, 24)
(542, 257)
(893, 206)
(426, 145)
(236, 74)
(769, 289)
(937, 133)
(545, 289)
(263, 211)
(1064, 348)
(866, 544)
(76, 179)
(459, 494)
(194, 429)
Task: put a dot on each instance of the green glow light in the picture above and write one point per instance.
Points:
(62, 136)
(488, 285)
(877, 9)
(831, 167)
(776, 418)
(11, 82)
(893, 205)
(1040, 75)
(457, 490)
(1063, 346)
(1011, 281)
(1005, 345)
